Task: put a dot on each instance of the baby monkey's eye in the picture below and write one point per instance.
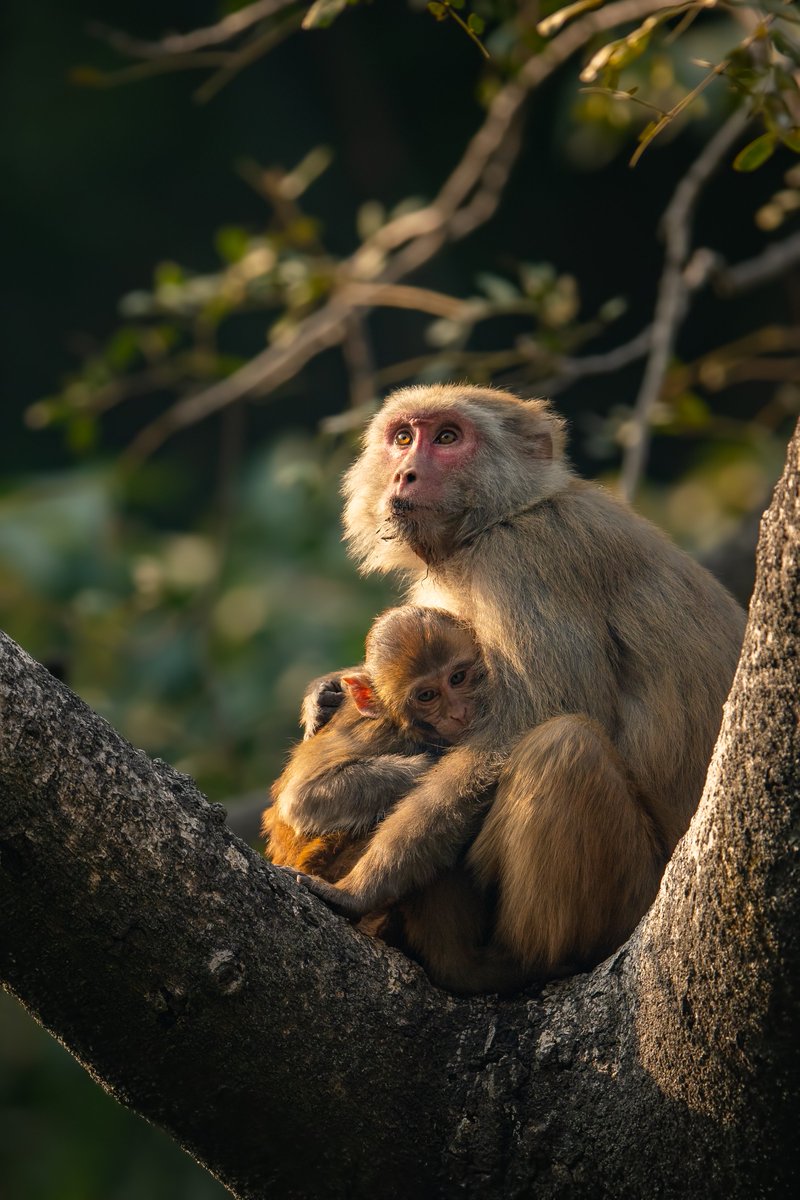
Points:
(457, 678)
(446, 437)
(426, 695)
(403, 437)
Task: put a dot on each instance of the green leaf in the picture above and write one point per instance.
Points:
(476, 24)
(554, 22)
(122, 348)
(786, 45)
(231, 243)
(437, 10)
(168, 272)
(755, 153)
(82, 433)
(691, 410)
(791, 138)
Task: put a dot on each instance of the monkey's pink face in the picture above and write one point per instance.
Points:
(424, 453)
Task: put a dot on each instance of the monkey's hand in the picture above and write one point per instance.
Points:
(320, 702)
(341, 902)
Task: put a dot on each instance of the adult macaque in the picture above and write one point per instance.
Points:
(415, 695)
(608, 652)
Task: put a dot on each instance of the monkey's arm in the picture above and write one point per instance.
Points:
(350, 797)
(424, 835)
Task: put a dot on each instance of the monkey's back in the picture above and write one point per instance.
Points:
(349, 740)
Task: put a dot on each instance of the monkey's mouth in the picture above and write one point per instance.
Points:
(433, 739)
(400, 506)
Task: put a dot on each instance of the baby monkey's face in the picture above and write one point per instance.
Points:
(445, 697)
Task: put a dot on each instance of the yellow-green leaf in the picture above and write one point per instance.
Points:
(791, 138)
(554, 22)
(755, 153)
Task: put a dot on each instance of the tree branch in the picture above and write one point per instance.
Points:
(292, 1056)
(671, 304)
(773, 262)
(704, 266)
(174, 44)
(467, 198)
(185, 973)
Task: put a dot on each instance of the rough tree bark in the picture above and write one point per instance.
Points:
(294, 1057)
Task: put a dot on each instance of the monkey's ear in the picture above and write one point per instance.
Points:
(359, 685)
(536, 428)
(545, 430)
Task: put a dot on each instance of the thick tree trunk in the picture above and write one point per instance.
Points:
(294, 1057)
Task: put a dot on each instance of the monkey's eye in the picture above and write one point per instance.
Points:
(457, 678)
(446, 437)
(426, 695)
(403, 437)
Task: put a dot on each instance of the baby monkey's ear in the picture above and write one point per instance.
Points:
(359, 685)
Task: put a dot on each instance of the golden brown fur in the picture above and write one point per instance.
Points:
(608, 653)
(329, 855)
(341, 782)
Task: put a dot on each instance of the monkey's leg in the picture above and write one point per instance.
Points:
(446, 926)
(570, 846)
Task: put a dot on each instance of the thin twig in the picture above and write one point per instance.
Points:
(359, 294)
(727, 281)
(272, 367)
(672, 294)
(358, 359)
(570, 370)
(259, 45)
(772, 262)
(187, 43)
(209, 60)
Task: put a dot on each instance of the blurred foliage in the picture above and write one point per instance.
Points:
(190, 595)
(196, 643)
(179, 335)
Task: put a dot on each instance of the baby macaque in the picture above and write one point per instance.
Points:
(414, 697)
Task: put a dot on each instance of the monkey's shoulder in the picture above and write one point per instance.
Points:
(587, 535)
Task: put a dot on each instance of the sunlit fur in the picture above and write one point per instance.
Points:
(340, 783)
(590, 856)
(583, 610)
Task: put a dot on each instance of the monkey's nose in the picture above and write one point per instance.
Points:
(404, 477)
